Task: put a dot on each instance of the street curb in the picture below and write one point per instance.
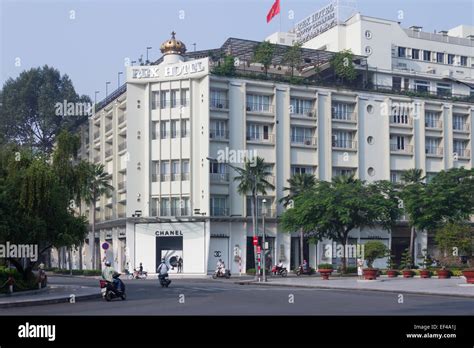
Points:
(352, 288)
(61, 299)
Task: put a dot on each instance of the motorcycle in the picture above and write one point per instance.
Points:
(137, 275)
(301, 271)
(109, 292)
(164, 281)
(218, 273)
(281, 272)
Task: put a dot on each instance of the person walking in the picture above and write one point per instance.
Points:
(180, 265)
(360, 265)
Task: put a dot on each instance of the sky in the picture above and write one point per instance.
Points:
(91, 40)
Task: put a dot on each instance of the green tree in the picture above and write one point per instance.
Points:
(342, 63)
(454, 240)
(30, 114)
(253, 179)
(374, 250)
(97, 183)
(298, 184)
(293, 55)
(227, 68)
(263, 54)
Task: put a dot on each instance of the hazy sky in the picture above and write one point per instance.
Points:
(90, 39)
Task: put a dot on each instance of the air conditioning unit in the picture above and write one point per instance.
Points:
(249, 108)
(220, 106)
(310, 114)
(307, 142)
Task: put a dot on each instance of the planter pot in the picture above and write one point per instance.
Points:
(424, 273)
(469, 274)
(370, 273)
(392, 273)
(443, 273)
(325, 273)
(408, 273)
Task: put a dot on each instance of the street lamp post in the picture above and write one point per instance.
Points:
(95, 97)
(264, 212)
(107, 89)
(118, 78)
(147, 61)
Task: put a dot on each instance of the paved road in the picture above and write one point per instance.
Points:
(209, 297)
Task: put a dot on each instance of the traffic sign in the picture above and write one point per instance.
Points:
(259, 250)
(105, 246)
(255, 240)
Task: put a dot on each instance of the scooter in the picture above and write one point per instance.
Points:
(218, 273)
(109, 292)
(281, 272)
(137, 275)
(164, 281)
(301, 271)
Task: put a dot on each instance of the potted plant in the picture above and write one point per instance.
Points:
(373, 250)
(427, 262)
(325, 269)
(469, 274)
(391, 271)
(406, 264)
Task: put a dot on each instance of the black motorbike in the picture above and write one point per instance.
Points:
(301, 270)
(164, 281)
(109, 291)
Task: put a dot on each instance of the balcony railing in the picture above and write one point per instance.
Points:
(122, 146)
(303, 140)
(184, 176)
(108, 153)
(401, 120)
(173, 212)
(259, 107)
(175, 176)
(121, 119)
(461, 126)
(302, 112)
(217, 211)
(97, 159)
(434, 150)
(173, 103)
(155, 177)
(462, 152)
(165, 177)
(343, 116)
(434, 124)
(108, 127)
(96, 135)
(219, 177)
(401, 149)
(217, 103)
(218, 134)
(269, 212)
(260, 137)
(121, 185)
(344, 144)
(122, 214)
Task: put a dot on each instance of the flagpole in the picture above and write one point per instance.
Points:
(280, 17)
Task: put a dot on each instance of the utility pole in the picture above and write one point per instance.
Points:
(264, 212)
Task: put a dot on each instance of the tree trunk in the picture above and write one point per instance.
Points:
(412, 244)
(344, 259)
(301, 246)
(80, 255)
(93, 236)
(70, 260)
(254, 223)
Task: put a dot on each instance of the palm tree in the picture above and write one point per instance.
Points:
(97, 184)
(413, 181)
(298, 183)
(253, 178)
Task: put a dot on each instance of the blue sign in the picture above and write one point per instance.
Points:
(105, 246)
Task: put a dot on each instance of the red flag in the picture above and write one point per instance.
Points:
(273, 11)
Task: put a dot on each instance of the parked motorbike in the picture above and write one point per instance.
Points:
(282, 271)
(301, 271)
(218, 274)
(109, 292)
(137, 275)
(164, 281)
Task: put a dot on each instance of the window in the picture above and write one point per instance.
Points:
(422, 86)
(174, 128)
(459, 147)
(175, 206)
(301, 106)
(440, 57)
(175, 170)
(430, 176)
(415, 53)
(431, 119)
(451, 59)
(218, 205)
(427, 56)
(155, 130)
(184, 97)
(155, 100)
(398, 142)
(155, 170)
(173, 99)
(164, 129)
(397, 83)
(301, 170)
(400, 115)
(342, 139)
(443, 89)
(256, 102)
(402, 52)
(218, 130)
(395, 176)
(337, 171)
(301, 135)
(184, 128)
(185, 170)
(342, 111)
(463, 60)
(154, 206)
(459, 122)
(217, 168)
(218, 99)
(258, 132)
(165, 207)
(165, 171)
(260, 206)
(432, 146)
(163, 99)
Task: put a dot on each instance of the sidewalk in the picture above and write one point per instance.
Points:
(51, 294)
(431, 286)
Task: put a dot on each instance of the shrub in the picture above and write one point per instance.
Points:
(92, 272)
(407, 262)
(325, 266)
(20, 284)
(374, 250)
(351, 269)
(251, 271)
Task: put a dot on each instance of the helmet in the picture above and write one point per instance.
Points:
(107, 263)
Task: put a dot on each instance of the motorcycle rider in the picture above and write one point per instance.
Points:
(305, 266)
(279, 267)
(108, 274)
(220, 267)
(162, 269)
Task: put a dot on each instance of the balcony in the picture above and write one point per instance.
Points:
(155, 177)
(259, 108)
(434, 124)
(108, 153)
(165, 177)
(344, 144)
(433, 151)
(343, 116)
(175, 176)
(397, 149)
(461, 127)
(121, 185)
(401, 121)
(302, 140)
(184, 176)
(97, 159)
(302, 112)
(462, 153)
(269, 212)
(260, 137)
(108, 127)
(218, 211)
(121, 214)
(219, 104)
(219, 177)
(97, 135)
(122, 146)
(217, 134)
(121, 119)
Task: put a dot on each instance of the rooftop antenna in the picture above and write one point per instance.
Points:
(140, 60)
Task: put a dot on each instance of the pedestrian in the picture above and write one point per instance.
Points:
(360, 264)
(180, 265)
